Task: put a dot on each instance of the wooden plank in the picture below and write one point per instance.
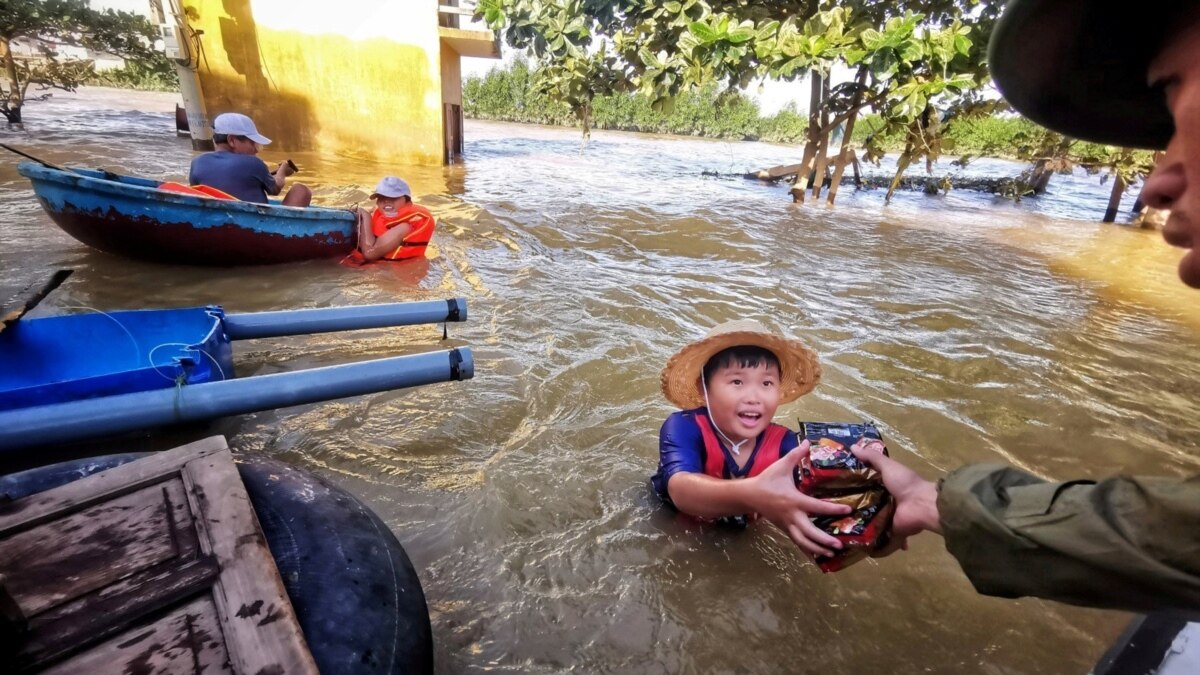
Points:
(261, 631)
(777, 172)
(29, 298)
(91, 548)
(185, 641)
(36, 509)
(101, 615)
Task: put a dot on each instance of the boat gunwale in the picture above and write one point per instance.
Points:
(81, 181)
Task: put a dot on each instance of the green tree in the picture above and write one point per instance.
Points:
(65, 22)
(916, 60)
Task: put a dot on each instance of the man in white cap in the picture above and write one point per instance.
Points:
(234, 169)
(1129, 78)
(397, 229)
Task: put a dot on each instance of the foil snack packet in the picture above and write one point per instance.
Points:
(860, 533)
(830, 464)
(832, 472)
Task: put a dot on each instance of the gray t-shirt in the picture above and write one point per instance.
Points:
(243, 176)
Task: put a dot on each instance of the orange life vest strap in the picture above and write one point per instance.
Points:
(194, 190)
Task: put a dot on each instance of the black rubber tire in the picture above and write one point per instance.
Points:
(355, 592)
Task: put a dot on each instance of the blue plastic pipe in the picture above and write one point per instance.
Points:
(105, 416)
(325, 320)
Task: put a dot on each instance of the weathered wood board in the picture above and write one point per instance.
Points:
(157, 566)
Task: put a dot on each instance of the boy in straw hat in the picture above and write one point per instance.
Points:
(721, 455)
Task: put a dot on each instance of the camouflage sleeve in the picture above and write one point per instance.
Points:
(1123, 543)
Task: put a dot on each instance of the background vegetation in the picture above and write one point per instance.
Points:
(154, 73)
(62, 22)
(511, 94)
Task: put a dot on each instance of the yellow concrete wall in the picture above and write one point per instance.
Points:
(360, 78)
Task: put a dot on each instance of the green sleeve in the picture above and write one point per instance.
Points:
(1123, 543)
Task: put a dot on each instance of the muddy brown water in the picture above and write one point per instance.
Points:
(970, 329)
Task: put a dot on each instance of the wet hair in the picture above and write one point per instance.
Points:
(746, 356)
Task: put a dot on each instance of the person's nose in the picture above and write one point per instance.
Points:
(1165, 186)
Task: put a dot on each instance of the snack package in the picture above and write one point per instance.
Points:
(830, 464)
(832, 472)
(860, 533)
(859, 500)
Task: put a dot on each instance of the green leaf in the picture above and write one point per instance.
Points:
(871, 39)
(912, 50)
(703, 32)
(767, 30)
(743, 33)
(649, 59)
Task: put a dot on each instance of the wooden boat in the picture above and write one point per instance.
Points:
(130, 216)
(138, 563)
(83, 376)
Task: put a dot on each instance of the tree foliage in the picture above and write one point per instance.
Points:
(922, 61)
(62, 22)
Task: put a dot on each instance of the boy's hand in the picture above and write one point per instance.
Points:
(782, 503)
(916, 500)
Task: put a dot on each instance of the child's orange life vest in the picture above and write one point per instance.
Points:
(414, 243)
(766, 454)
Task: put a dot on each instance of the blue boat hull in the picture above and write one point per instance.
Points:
(83, 356)
(129, 216)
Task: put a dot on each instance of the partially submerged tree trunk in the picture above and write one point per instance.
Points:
(840, 168)
(823, 144)
(12, 109)
(1114, 199)
(800, 184)
(902, 163)
(1039, 177)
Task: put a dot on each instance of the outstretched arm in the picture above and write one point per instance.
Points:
(772, 494)
(1123, 543)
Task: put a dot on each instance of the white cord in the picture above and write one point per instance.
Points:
(736, 448)
(150, 357)
(186, 346)
(136, 349)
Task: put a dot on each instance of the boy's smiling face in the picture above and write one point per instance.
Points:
(742, 399)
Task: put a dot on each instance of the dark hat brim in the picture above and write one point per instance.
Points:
(1079, 67)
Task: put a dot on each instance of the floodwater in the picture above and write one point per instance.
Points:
(971, 329)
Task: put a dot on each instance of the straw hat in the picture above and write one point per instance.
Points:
(799, 366)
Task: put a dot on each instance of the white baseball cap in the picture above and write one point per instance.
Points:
(393, 187)
(237, 124)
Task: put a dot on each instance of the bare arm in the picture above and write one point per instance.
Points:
(280, 174)
(374, 248)
(772, 494)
